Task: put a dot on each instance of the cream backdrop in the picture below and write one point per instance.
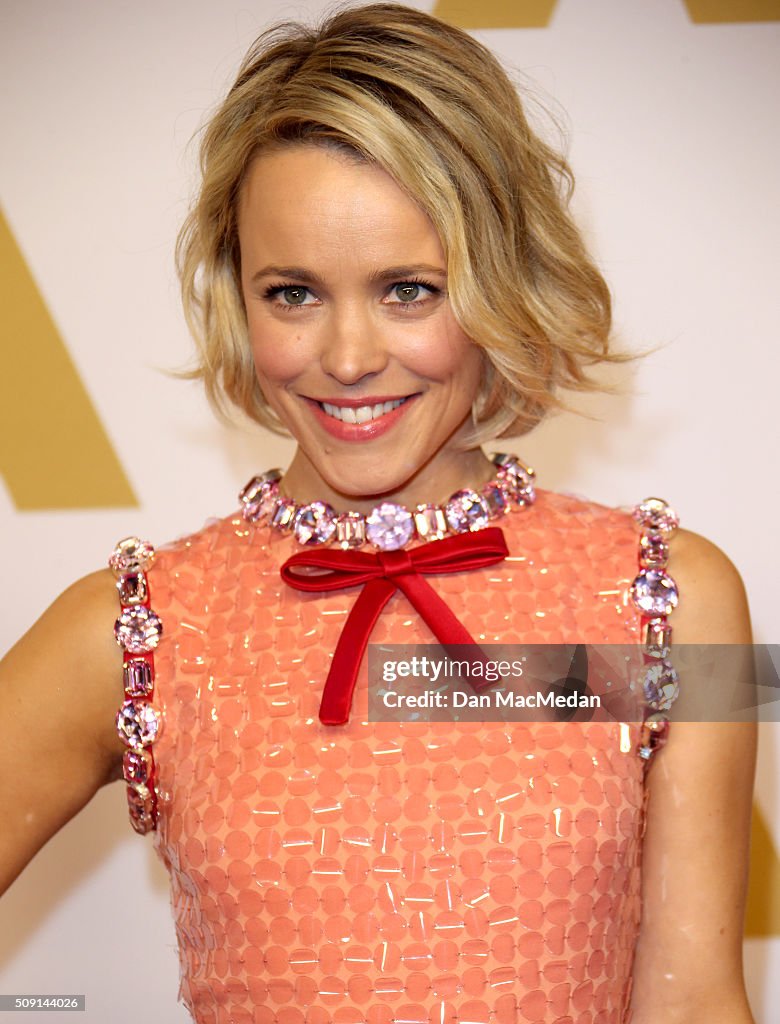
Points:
(670, 109)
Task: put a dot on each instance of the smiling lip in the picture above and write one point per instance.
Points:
(360, 431)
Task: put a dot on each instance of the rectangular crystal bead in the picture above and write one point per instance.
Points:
(283, 513)
(431, 522)
(138, 678)
(132, 588)
(653, 551)
(496, 499)
(350, 530)
(658, 638)
(137, 766)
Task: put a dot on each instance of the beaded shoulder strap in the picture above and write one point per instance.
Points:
(138, 631)
(655, 594)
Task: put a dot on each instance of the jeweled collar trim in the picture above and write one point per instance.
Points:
(389, 526)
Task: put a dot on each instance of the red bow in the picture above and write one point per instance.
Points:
(381, 574)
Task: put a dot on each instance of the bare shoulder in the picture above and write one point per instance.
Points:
(696, 844)
(68, 664)
(60, 687)
(712, 609)
(713, 606)
(84, 617)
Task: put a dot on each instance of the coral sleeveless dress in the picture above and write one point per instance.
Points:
(408, 872)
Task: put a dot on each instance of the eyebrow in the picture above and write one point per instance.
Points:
(388, 274)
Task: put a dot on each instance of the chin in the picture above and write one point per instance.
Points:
(367, 485)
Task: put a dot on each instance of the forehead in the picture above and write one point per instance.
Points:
(324, 202)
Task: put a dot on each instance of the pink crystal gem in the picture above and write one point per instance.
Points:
(513, 465)
(390, 526)
(283, 513)
(314, 523)
(142, 820)
(136, 766)
(350, 530)
(141, 805)
(653, 735)
(497, 500)
(516, 478)
(138, 723)
(131, 555)
(257, 498)
(430, 521)
(138, 678)
(132, 588)
(466, 511)
(658, 638)
(139, 795)
(653, 551)
(258, 486)
(654, 592)
(661, 685)
(264, 506)
(138, 630)
(519, 489)
(656, 514)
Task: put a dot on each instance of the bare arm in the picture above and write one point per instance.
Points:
(60, 688)
(695, 861)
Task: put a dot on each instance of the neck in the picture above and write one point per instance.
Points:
(430, 484)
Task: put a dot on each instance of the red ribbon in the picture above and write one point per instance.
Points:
(380, 575)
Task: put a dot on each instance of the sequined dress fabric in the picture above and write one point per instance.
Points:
(409, 872)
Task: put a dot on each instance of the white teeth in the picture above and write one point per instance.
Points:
(361, 413)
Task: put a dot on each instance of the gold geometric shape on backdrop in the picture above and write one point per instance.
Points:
(495, 13)
(763, 901)
(54, 453)
(708, 12)
(537, 13)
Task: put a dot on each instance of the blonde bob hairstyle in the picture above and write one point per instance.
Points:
(434, 108)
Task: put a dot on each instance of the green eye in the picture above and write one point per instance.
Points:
(295, 296)
(407, 292)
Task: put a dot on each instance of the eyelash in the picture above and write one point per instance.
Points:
(273, 290)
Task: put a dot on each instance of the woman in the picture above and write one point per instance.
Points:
(380, 262)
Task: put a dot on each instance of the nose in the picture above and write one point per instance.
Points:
(352, 348)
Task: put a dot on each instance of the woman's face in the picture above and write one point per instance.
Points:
(353, 338)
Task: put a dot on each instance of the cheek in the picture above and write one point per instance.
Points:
(447, 354)
(278, 356)
(470, 376)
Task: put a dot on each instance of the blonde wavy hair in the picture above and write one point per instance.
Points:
(435, 109)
